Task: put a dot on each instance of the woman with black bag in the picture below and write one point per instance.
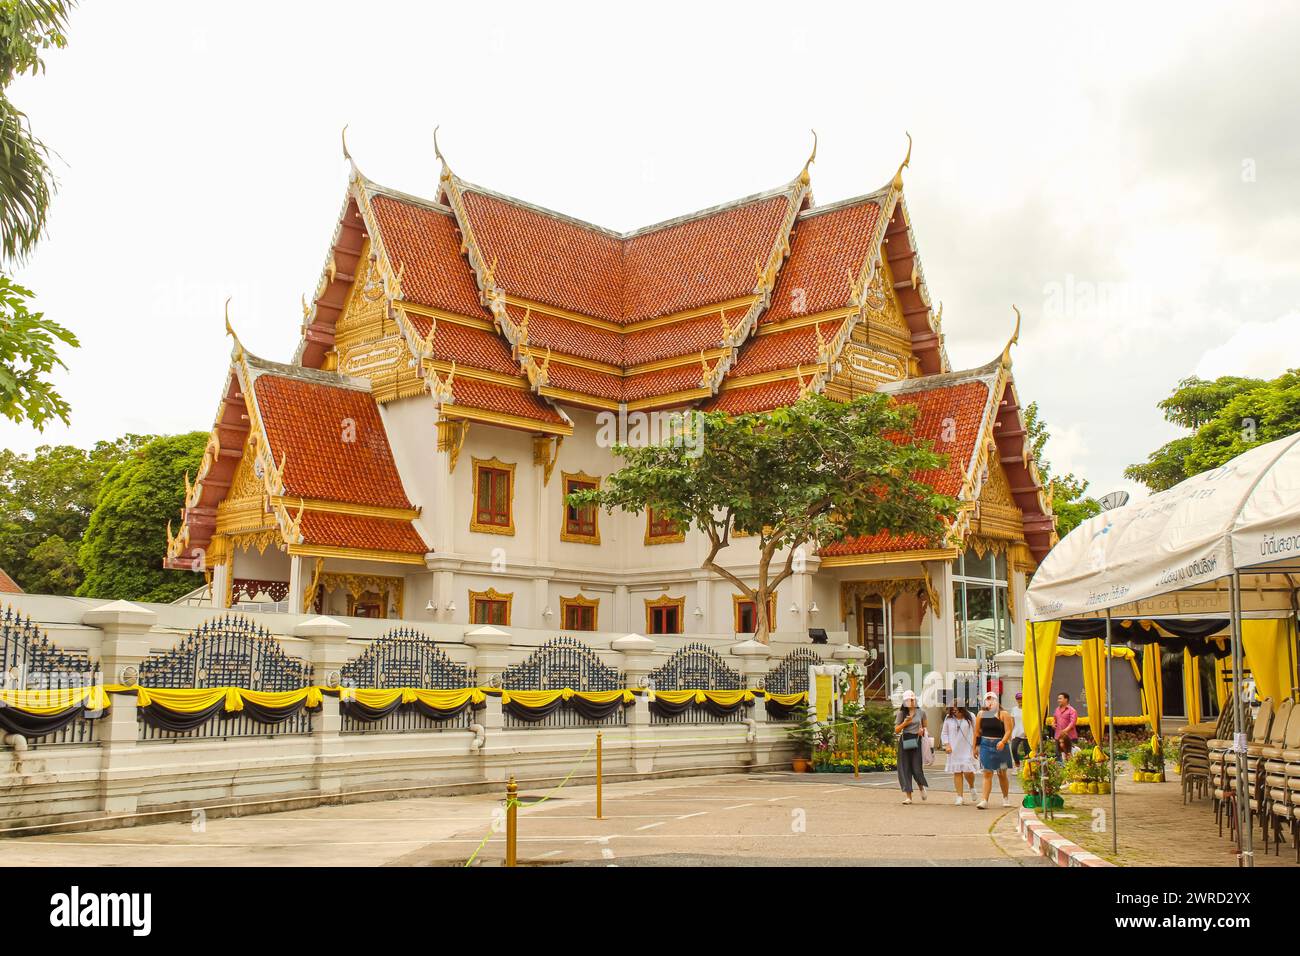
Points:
(910, 728)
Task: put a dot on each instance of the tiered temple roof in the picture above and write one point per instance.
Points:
(508, 313)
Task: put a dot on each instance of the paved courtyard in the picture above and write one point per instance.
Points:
(756, 819)
(1156, 829)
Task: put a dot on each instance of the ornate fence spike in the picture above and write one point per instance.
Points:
(790, 676)
(230, 651)
(405, 657)
(696, 667)
(563, 662)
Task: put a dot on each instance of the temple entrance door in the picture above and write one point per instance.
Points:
(872, 639)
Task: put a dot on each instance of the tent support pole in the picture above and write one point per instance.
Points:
(1110, 716)
(1245, 827)
(1042, 723)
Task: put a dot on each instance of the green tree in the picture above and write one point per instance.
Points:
(1225, 417)
(809, 474)
(121, 554)
(1070, 502)
(28, 340)
(45, 503)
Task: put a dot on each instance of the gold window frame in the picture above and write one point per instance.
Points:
(738, 599)
(661, 538)
(495, 464)
(565, 478)
(665, 600)
(579, 600)
(491, 594)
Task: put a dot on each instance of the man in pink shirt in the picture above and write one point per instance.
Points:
(1065, 722)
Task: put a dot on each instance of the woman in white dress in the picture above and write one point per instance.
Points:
(958, 739)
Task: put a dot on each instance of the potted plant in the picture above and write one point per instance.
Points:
(804, 736)
(1042, 779)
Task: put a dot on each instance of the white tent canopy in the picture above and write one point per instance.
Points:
(1244, 515)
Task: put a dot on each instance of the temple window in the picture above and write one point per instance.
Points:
(661, 529)
(490, 607)
(493, 497)
(578, 613)
(664, 615)
(746, 617)
(981, 609)
(580, 523)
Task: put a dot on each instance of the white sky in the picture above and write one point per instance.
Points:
(1128, 175)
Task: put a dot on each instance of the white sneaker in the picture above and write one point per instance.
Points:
(907, 801)
(982, 805)
(923, 796)
(959, 801)
(1006, 802)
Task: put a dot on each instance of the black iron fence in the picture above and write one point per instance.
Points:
(696, 667)
(29, 660)
(559, 663)
(405, 657)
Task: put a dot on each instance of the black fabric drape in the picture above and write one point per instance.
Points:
(435, 714)
(14, 721)
(663, 708)
(359, 711)
(593, 711)
(533, 714)
(1194, 634)
(164, 719)
(268, 715)
(781, 711)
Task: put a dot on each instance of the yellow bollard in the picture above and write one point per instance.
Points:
(598, 778)
(512, 820)
(855, 750)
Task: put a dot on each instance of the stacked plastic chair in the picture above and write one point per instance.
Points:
(1223, 764)
(1282, 781)
(1194, 765)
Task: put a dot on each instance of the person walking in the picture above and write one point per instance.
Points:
(910, 727)
(1019, 739)
(995, 748)
(1065, 724)
(958, 739)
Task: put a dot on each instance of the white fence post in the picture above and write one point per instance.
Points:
(638, 661)
(125, 644)
(329, 652)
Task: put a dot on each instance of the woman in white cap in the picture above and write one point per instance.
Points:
(994, 725)
(910, 727)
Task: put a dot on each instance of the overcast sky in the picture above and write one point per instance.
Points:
(1128, 175)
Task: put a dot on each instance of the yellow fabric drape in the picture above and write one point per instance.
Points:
(46, 703)
(724, 698)
(1153, 690)
(1269, 657)
(825, 690)
(1222, 691)
(789, 700)
(191, 700)
(1094, 683)
(540, 698)
(1040, 663)
(1191, 686)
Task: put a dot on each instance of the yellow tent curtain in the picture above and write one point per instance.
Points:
(1040, 665)
(1153, 689)
(1270, 654)
(1094, 682)
(1191, 687)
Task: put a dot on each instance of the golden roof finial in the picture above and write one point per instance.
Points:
(344, 136)
(239, 346)
(426, 347)
(812, 158)
(306, 309)
(437, 150)
(1015, 337)
(706, 373)
(938, 317)
(907, 161)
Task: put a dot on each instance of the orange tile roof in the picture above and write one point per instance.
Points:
(827, 248)
(574, 378)
(950, 417)
(571, 338)
(755, 398)
(673, 339)
(468, 347)
(489, 396)
(310, 423)
(425, 245)
(681, 265)
(779, 350)
(8, 585)
(664, 381)
(364, 533)
(703, 260)
(548, 258)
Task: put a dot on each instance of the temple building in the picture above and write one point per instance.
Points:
(458, 367)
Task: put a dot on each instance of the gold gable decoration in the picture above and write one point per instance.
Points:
(369, 341)
(887, 589)
(357, 585)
